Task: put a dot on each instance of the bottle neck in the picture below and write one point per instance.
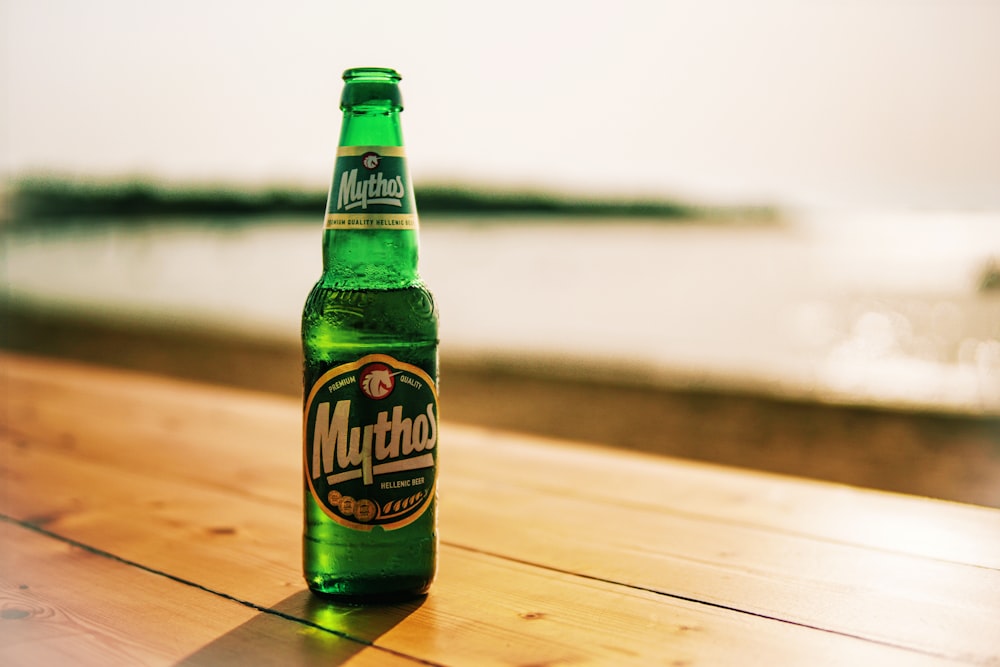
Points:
(374, 125)
(367, 257)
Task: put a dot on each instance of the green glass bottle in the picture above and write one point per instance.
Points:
(369, 337)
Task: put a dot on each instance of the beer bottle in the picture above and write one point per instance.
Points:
(369, 337)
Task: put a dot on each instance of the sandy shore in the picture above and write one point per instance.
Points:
(938, 455)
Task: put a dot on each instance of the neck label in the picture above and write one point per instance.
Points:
(371, 190)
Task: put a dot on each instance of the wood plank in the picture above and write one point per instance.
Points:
(834, 513)
(48, 399)
(506, 499)
(484, 610)
(931, 605)
(825, 511)
(76, 407)
(63, 604)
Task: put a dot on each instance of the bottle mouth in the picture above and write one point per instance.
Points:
(375, 87)
(371, 74)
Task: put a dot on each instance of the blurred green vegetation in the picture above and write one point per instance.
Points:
(32, 199)
(49, 199)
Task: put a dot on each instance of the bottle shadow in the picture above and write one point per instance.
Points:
(304, 629)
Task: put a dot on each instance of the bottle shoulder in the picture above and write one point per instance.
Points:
(331, 288)
(337, 316)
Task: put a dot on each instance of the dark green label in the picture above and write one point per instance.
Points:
(371, 189)
(370, 442)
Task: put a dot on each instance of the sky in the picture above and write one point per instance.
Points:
(811, 103)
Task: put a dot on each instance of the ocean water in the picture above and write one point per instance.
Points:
(899, 310)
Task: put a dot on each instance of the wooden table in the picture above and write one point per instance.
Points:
(152, 521)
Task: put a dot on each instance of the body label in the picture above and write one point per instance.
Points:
(370, 442)
(371, 190)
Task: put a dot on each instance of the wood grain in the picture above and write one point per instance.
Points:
(551, 552)
(453, 626)
(61, 603)
(828, 512)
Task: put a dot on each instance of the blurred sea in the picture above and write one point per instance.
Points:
(900, 311)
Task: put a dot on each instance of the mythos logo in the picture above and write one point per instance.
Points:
(377, 381)
(376, 188)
